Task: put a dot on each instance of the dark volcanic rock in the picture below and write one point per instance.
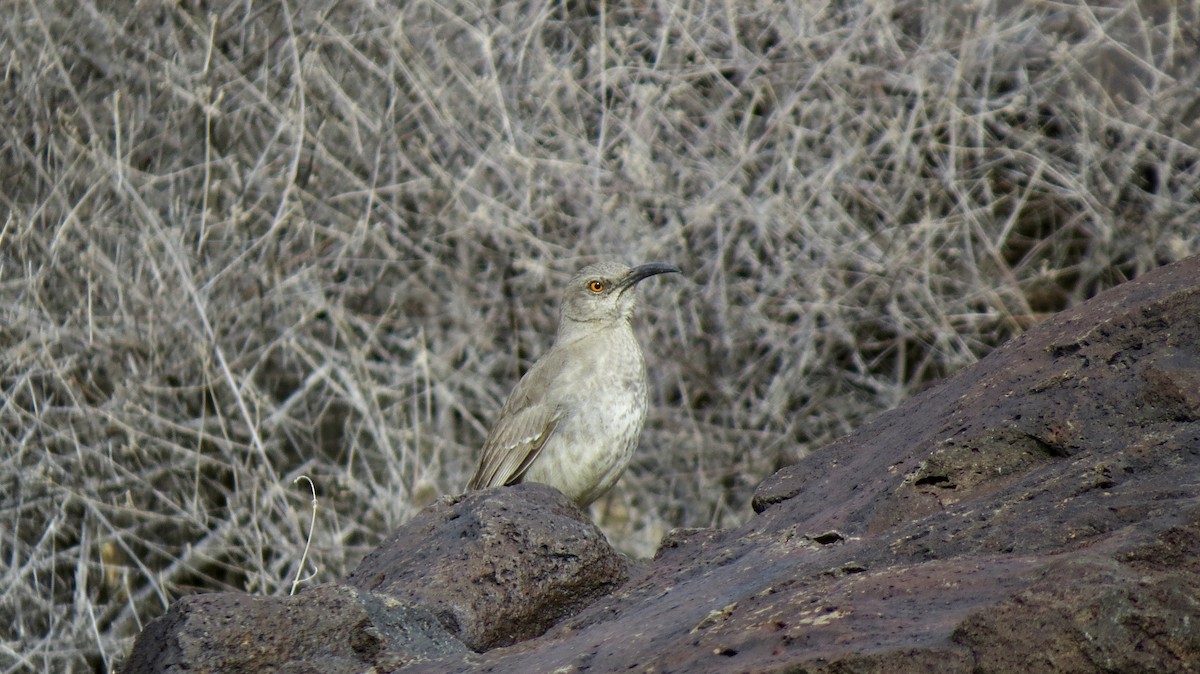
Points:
(328, 629)
(496, 566)
(485, 569)
(1038, 512)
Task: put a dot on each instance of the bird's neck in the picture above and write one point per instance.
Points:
(570, 330)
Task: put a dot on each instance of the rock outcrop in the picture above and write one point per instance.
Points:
(1038, 512)
(483, 570)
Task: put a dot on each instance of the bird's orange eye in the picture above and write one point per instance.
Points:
(596, 285)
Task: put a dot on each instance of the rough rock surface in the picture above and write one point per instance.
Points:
(329, 629)
(1038, 512)
(479, 571)
(497, 567)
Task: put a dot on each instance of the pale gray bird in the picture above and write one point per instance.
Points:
(573, 420)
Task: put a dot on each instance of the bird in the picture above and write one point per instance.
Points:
(573, 420)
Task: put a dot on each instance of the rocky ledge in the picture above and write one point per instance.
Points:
(1038, 512)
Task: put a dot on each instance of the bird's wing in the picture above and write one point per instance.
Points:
(526, 423)
(513, 444)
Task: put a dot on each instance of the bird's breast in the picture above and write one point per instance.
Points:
(604, 403)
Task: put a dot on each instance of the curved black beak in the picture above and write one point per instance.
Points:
(645, 271)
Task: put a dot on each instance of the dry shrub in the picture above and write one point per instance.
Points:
(248, 241)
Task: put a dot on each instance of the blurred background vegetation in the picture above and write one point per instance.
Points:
(244, 241)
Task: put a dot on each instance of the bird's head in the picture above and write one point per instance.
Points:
(604, 293)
